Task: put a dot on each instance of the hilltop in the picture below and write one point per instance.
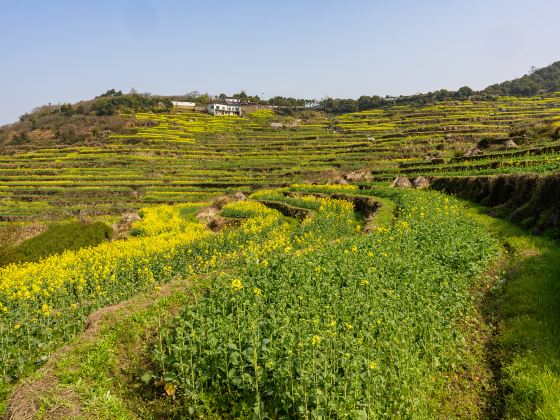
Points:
(73, 123)
(544, 80)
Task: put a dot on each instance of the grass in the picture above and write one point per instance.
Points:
(56, 239)
(529, 323)
(95, 376)
(102, 371)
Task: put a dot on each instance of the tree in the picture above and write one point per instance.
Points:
(464, 92)
(241, 95)
(546, 79)
(103, 106)
(370, 102)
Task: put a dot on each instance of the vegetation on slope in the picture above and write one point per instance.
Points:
(539, 81)
(527, 343)
(544, 80)
(344, 322)
(362, 326)
(191, 157)
(329, 317)
(58, 238)
(529, 200)
(87, 122)
(44, 304)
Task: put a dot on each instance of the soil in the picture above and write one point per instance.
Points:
(530, 200)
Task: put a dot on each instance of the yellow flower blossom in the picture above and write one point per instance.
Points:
(236, 285)
(46, 309)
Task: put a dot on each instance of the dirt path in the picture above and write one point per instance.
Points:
(28, 397)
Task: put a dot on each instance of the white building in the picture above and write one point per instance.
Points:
(177, 104)
(222, 109)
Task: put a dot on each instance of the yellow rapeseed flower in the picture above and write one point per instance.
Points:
(236, 285)
(46, 309)
(315, 340)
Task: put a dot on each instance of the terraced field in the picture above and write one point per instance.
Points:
(186, 157)
(405, 135)
(318, 300)
(308, 299)
(239, 273)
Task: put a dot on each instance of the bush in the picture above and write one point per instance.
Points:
(58, 238)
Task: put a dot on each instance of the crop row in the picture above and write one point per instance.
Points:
(336, 324)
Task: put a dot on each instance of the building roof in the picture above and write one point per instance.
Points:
(180, 103)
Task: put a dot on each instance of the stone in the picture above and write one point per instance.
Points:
(239, 196)
(401, 182)
(421, 182)
(357, 176)
(473, 151)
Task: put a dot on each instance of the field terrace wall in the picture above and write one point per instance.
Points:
(531, 200)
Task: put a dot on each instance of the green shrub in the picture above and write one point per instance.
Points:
(58, 238)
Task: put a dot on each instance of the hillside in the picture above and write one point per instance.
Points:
(181, 156)
(360, 304)
(544, 80)
(86, 122)
(161, 263)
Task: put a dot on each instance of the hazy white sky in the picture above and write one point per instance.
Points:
(67, 50)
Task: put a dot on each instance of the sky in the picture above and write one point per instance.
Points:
(60, 51)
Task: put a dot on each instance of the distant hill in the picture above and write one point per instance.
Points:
(84, 122)
(543, 80)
